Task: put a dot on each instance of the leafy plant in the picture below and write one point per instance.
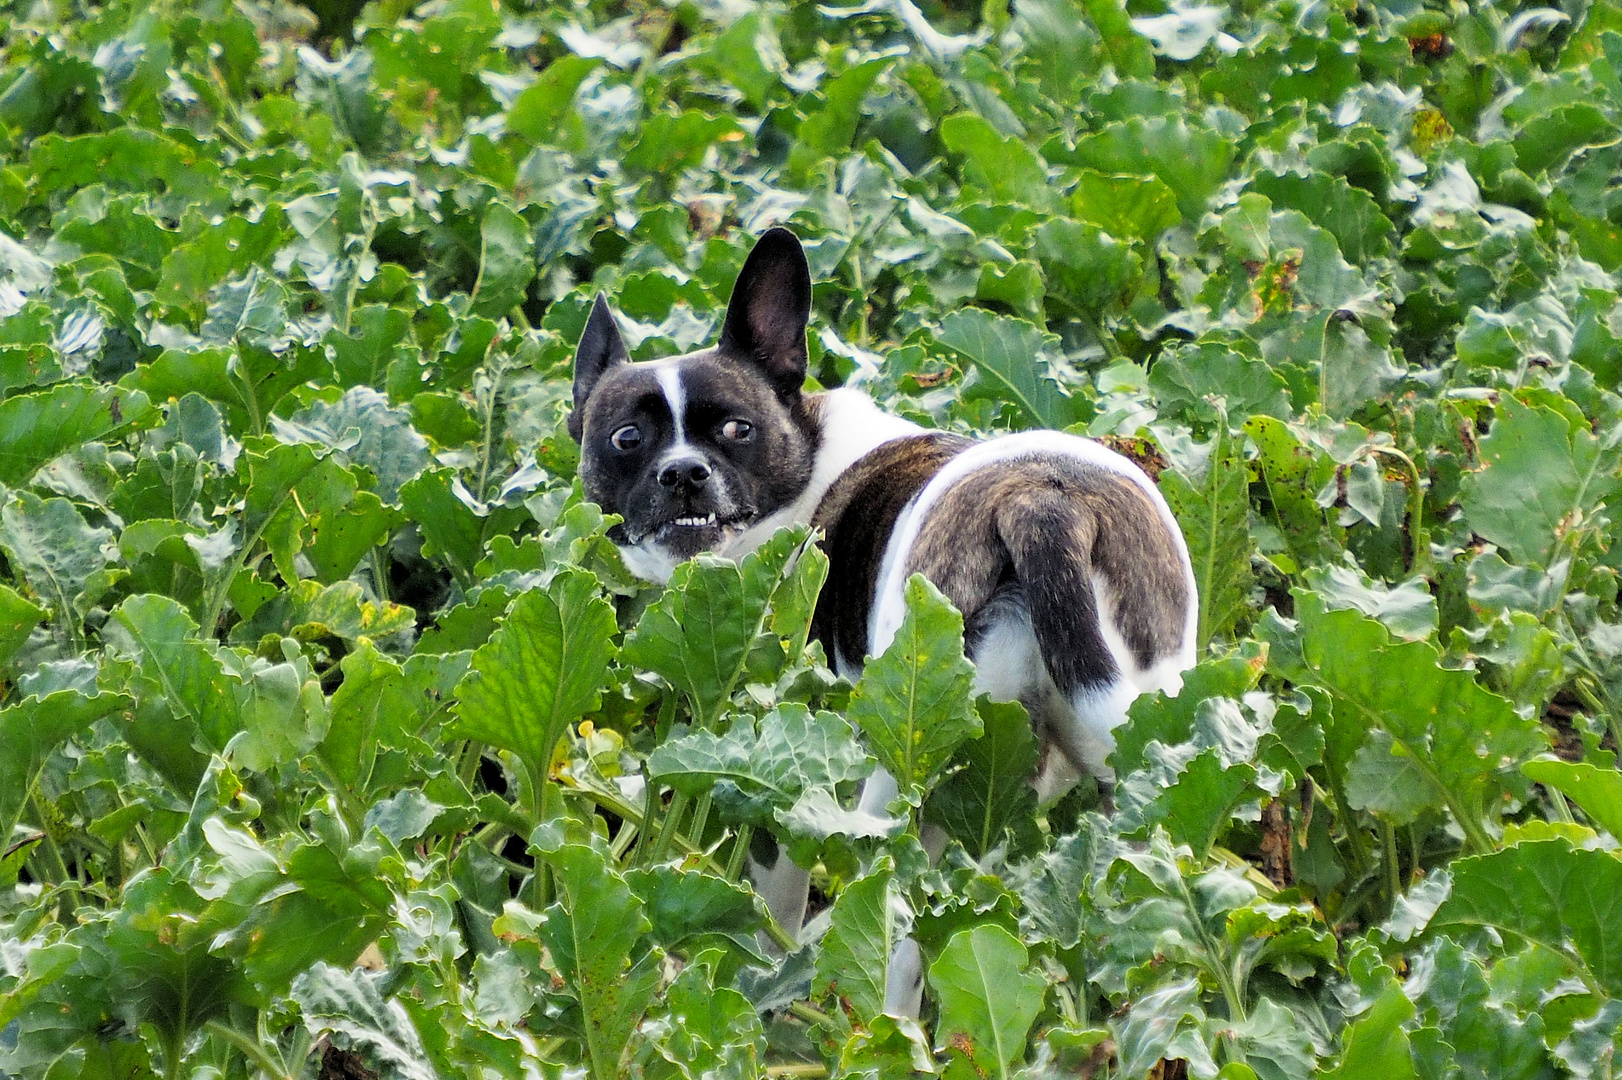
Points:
(335, 739)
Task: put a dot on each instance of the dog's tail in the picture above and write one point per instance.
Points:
(1050, 540)
(1106, 591)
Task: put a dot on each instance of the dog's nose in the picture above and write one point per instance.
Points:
(694, 473)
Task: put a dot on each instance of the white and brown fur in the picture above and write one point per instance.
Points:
(1073, 579)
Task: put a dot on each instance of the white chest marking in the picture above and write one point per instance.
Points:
(851, 425)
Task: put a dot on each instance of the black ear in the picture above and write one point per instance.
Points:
(770, 306)
(600, 349)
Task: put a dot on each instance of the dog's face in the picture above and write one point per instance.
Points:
(691, 450)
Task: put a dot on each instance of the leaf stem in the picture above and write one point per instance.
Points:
(495, 371)
(667, 828)
(701, 817)
(1393, 878)
(1422, 563)
(740, 849)
(251, 1049)
(380, 572)
(808, 1012)
(59, 865)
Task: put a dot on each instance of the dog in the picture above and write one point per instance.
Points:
(1071, 573)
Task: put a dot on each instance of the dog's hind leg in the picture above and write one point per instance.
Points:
(785, 886)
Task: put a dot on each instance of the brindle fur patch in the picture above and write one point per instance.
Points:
(1047, 525)
(856, 516)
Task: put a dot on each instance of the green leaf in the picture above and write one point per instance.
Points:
(991, 792)
(596, 936)
(1408, 609)
(540, 672)
(1004, 169)
(1172, 719)
(713, 1030)
(251, 309)
(1007, 357)
(1212, 504)
(1375, 1046)
(1196, 798)
(366, 432)
(439, 504)
(988, 1001)
(1349, 213)
(686, 907)
(1355, 369)
(913, 701)
(382, 705)
(537, 113)
(829, 131)
(347, 1007)
(376, 338)
(1165, 1024)
(310, 611)
(1598, 791)
(186, 707)
(161, 947)
(1459, 735)
(1566, 900)
(1545, 477)
(18, 618)
(34, 727)
(1192, 161)
(1128, 51)
(758, 772)
(36, 428)
(328, 908)
(1128, 207)
(60, 556)
(1187, 377)
(506, 261)
(667, 143)
(1088, 266)
(698, 634)
(852, 964)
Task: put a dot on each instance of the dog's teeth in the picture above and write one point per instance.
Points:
(695, 522)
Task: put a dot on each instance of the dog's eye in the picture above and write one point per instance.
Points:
(738, 430)
(628, 437)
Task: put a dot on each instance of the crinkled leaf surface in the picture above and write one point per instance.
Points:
(913, 701)
(540, 672)
(988, 1001)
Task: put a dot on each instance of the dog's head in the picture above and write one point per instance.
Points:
(692, 450)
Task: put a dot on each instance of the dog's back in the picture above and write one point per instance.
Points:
(1072, 576)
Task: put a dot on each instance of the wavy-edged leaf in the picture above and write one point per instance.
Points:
(988, 1000)
(759, 770)
(35, 428)
(913, 701)
(698, 634)
(1212, 504)
(595, 933)
(541, 671)
(1007, 355)
(991, 793)
(1543, 477)
(34, 727)
(1568, 900)
(855, 955)
(1460, 736)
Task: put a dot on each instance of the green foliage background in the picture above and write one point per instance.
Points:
(335, 737)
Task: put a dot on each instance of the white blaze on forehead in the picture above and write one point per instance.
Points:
(669, 376)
